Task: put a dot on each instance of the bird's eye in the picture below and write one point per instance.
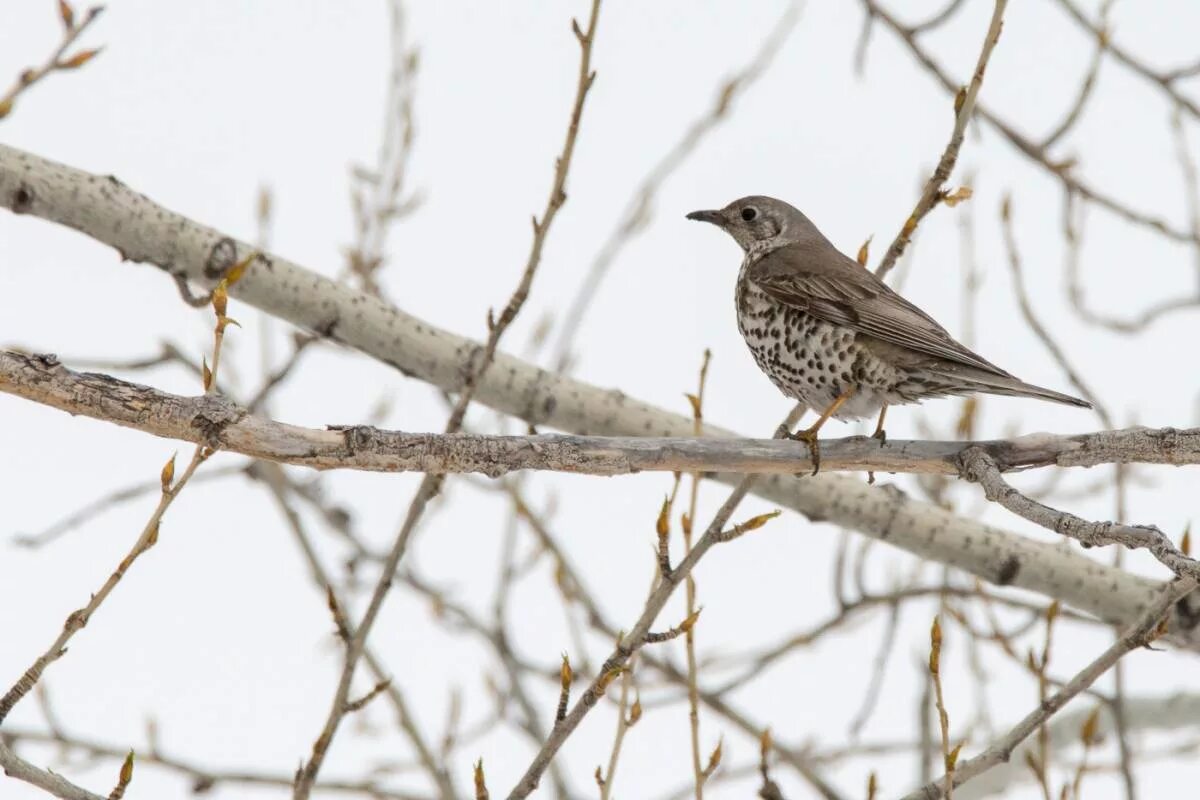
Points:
(749, 213)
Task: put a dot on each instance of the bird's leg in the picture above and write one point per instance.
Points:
(880, 433)
(809, 434)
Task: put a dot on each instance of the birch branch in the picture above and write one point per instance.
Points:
(221, 424)
(140, 230)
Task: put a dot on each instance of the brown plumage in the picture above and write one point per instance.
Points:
(829, 333)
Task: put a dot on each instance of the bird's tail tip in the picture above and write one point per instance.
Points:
(1057, 397)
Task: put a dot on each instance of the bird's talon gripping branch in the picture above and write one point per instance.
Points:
(880, 433)
(809, 434)
(809, 437)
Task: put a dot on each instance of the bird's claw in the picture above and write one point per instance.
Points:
(809, 437)
(881, 435)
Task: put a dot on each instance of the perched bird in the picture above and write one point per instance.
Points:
(829, 333)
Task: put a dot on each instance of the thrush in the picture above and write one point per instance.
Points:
(830, 334)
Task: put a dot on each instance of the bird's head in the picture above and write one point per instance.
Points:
(759, 223)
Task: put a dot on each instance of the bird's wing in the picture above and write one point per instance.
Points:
(818, 279)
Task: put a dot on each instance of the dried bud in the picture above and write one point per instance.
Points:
(79, 59)
(663, 524)
(714, 759)
(565, 674)
(635, 712)
(220, 299)
(754, 523)
(952, 757)
(167, 474)
(1087, 731)
(67, 14)
(935, 646)
(481, 792)
(957, 196)
(239, 269)
(864, 252)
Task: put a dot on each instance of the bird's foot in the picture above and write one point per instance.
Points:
(809, 437)
(881, 435)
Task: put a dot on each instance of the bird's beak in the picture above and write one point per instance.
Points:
(714, 217)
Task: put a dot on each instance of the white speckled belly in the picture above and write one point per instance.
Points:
(811, 360)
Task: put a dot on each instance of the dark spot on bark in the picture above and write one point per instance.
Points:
(22, 199)
(1008, 571)
(221, 258)
(406, 373)
(328, 329)
(358, 437)
(217, 415)
(1188, 616)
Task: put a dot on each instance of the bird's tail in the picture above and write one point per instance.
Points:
(1008, 385)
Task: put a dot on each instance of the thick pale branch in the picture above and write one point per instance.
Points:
(220, 424)
(141, 230)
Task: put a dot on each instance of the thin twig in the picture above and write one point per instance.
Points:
(979, 468)
(964, 108)
(169, 489)
(58, 61)
(1061, 171)
(1137, 635)
(640, 209)
(430, 485)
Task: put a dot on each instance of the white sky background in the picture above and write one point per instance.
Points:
(218, 634)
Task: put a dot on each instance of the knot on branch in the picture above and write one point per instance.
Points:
(975, 465)
(22, 200)
(221, 258)
(215, 414)
(358, 437)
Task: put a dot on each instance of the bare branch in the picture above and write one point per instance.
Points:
(220, 424)
(640, 209)
(1138, 635)
(58, 60)
(480, 361)
(964, 109)
(978, 467)
(1028, 147)
(16, 767)
(110, 212)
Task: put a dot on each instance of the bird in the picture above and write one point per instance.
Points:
(831, 334)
